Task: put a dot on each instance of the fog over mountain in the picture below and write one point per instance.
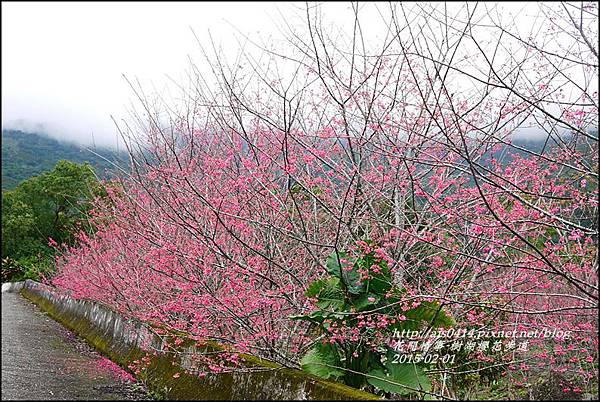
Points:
(63, 64)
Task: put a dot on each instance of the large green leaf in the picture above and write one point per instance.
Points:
(322, 361)
(328, 293)
(334, 265)
(315, 288)
(401, 379)
(366, 301)
(429, 312)
(352, 280)
(350, 277)
(380, 282)
(317, 316)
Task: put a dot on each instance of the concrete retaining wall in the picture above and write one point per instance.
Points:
(12, 286)
(127, 340)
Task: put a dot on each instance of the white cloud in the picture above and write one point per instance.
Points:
(62, 63)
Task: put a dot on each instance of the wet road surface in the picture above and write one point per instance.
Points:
(43, 360)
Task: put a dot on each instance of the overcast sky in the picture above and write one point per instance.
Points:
(63, 63)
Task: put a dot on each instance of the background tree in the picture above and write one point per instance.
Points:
(47, 208)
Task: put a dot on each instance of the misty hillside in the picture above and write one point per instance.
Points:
(26, 154)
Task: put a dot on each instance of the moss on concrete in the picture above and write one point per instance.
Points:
(262, 380)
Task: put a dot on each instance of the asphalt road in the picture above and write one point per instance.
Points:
(42, 360)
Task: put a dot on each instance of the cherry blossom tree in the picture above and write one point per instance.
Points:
(337, 147)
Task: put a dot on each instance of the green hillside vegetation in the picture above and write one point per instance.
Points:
(44, 209)
(25, 155)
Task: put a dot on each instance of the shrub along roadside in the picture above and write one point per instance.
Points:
(357, 310)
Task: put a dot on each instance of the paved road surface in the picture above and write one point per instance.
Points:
(42, 360)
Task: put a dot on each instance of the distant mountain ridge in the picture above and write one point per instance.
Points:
(29, 154)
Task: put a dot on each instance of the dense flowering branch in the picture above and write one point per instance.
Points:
(235, 204)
